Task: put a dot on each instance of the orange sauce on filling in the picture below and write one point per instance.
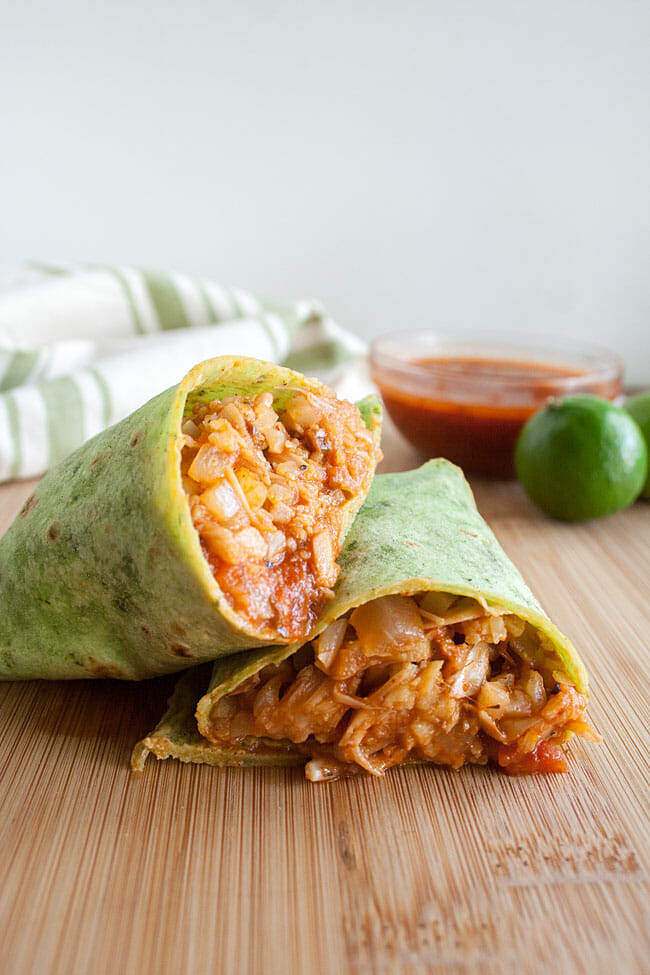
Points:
(289, 588)
(545, 757)
(460, 416)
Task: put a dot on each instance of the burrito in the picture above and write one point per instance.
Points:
(207, 522)
(433, 650)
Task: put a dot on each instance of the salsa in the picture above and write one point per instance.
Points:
(545, 757)
(471, 409)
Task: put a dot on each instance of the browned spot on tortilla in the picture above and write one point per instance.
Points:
(145, 629)
(412, 544)
(53, 532)
(179, 629)
(465, 532)
(107, 530)
(98, 669)
(96, 460)
(136, 440)
(31, 503)
(180, 650)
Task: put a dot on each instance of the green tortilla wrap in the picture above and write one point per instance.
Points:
(417, 535)
(102, 573)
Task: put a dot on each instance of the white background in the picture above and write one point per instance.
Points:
(456, 163)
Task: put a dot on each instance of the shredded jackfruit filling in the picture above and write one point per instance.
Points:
(267, 491)
(396, 682)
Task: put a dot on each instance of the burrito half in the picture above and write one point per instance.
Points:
(433, 650)
(208, 521)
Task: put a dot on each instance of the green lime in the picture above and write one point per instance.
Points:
(581, 457)
(639, 409)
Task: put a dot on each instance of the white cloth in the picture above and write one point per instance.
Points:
(82, 347)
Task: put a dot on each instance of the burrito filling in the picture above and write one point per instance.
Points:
(267, 492)
(435, 678)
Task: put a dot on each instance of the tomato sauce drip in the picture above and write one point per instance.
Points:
(544, 758)
(465, 415)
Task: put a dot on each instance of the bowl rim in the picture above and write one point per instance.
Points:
(598, 362)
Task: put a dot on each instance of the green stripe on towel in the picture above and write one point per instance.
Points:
(20, 366)
(14, 430)
(166, 301)
(65, 411)
(325, 355)
(54, 269)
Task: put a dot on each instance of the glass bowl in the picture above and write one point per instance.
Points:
(466, 396)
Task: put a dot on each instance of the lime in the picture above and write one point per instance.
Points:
(581, 457)
(639, 409)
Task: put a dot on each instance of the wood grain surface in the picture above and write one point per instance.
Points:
(190, 869)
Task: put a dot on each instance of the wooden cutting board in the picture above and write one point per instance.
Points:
(189, 869)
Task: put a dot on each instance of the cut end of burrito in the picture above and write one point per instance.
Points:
(432, 650)
(270, 482)
(431, 677)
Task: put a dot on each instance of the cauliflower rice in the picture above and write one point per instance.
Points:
(432, 678)
(268, 491)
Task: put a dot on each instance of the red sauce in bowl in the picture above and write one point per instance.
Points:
(470, 408)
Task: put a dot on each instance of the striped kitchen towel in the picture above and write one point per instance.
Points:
(82, 347)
